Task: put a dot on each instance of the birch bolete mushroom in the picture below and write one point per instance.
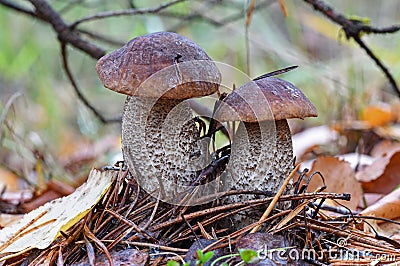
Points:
(261, 153)
(160, 141)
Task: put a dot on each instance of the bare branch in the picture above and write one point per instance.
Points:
(353, 29)
(201, 15)
(77, 90)
(69, 6)
(4, 113)
(127, 12)
(369, 29)
(101, 37)
(46, 13)
(17, 8)
(378, 63)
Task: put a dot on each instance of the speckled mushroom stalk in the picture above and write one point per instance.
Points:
(259, 158)
(160, 141)
(262, 154)
(160, 149)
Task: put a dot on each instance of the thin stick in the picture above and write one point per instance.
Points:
(6, 108)
(78, 91)
(275, 199)
(143, 244)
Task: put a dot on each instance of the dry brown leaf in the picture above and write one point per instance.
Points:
(391, 229)
(40, 200)
(55, 189)
(383, 175)
(339, 178)
(370, 198)
(387, 207)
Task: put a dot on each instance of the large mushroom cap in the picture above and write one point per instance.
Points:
(179, 69)
(265, 99)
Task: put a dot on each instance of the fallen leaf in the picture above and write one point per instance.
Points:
(355, 160)
(370, 198)
(339, 178)
(38, 228)
(40, 200)
(391, 230)
(311, 137)
(8, 180)
(8, 219)
(55, 189)
(384, 147)
(391, 131)
(383, 175)
(387, 207)
(377, 115)
(396, 111)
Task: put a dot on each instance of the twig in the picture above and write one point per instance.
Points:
(276, 72)
(369, 29)
(142, 244)
(130, 223)
(350, 26)
(276, 198)
(77, 90)
(199, 15)
(70, 5)
(378, 63)
(17, 8)
(353, 29)
(4, 113)
(100, 37)
(153, 213)
(127, 12)
(46, 13)
(100, 244)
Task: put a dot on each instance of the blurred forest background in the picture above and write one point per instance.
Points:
(46, 128)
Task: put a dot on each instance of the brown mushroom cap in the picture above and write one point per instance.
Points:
(179, 68)
(248, 104)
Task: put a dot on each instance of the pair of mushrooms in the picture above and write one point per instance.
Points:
(160, 140)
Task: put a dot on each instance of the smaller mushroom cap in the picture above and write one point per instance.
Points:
(159, 65)
(265, 99)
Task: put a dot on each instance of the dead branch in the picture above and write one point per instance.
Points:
(18, 8)
(353, 30)
(78, 91)
(65, 34)
(127, 12)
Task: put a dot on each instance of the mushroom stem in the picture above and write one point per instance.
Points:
(261, 159)
(160, 141)
(261, 156)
